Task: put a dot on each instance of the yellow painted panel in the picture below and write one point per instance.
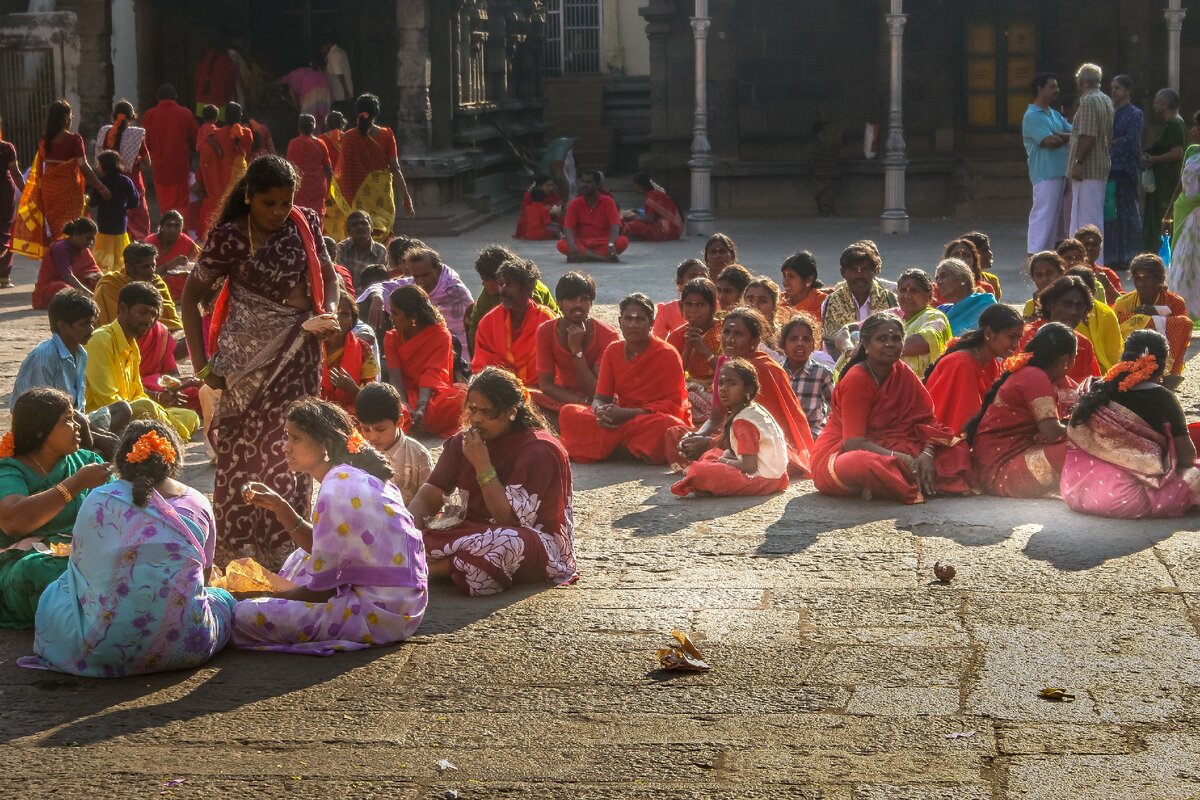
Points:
(1018, 104)
(981, 74)
(981, 39)
(1020, 71)
(1021, 38)
(981, 110)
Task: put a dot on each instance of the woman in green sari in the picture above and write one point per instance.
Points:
(44, 477)
(1165, 156)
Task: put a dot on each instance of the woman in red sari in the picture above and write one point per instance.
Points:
(802, 289)
(68, 264)
(130, 141)
(177, 252)
(958, 381)
(742, 332)
(1068, 302)
(223, 161)
(279, 296)
(569, 348)
(698, 342)
(518, 525)
(1019, 438)
(882, 439)
(54, 191)
(311, 157)
(659, 220)
(668, 316)
(420, 360)
(640, 395)
(365, 174)
(350, 362)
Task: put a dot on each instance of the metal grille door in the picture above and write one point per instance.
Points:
(573, 36)
(27, 88)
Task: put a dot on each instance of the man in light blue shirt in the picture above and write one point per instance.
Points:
(60, 362)
(1046, 135)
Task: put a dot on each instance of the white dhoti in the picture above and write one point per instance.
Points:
(1046, 215)
(1087, 203)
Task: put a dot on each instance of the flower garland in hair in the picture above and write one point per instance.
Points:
(1135, 372)
(6, 445)
(1015, 362)
(355, 442)
(148, 444)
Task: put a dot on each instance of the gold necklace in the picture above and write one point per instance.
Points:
(38, 464)
(250, 229)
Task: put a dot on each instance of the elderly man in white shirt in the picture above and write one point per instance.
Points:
(341, 84)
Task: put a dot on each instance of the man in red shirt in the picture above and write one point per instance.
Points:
(592, 227)
(170, 131)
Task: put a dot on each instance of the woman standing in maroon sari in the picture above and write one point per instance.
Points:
(264, 344)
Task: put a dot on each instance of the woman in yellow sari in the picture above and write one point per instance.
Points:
(54, 191)
(366, 169)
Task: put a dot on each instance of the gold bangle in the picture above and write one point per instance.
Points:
(296, 527)
(486, 478)
(65, 492)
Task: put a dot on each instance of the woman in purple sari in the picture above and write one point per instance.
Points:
(1123, 235)
(360, 570)
(1130, 456)
(280, 294)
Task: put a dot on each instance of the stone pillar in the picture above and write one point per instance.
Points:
(895, 216)
(700, 218)
(1174, 16)
(658, 15)
(414, 112)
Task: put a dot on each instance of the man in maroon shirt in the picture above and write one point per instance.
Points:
(592, 226)
(170, 131)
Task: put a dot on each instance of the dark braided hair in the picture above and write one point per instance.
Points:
(748, 375)
(366, 107)
(865, 332)
(34, 415)
(804, 265)
(995, 318)
(145, 475)
(1052, 341)
(1138, 344)
(1060, 289)
(504, 390)
(331, 426)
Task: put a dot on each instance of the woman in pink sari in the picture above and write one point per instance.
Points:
(1129, 455)
(1018, 438)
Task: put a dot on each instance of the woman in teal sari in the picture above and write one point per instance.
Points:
(133, 599)
(44, 477)
(1164, 156)
(926, 330)
(962, 302)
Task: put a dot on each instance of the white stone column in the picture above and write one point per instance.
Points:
(124, 51)
(700, 218)
(895, 216)
(1174, 16)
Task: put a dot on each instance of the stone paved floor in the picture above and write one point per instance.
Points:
(839, 665)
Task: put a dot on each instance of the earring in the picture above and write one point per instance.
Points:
(513, 418)
(326, 459)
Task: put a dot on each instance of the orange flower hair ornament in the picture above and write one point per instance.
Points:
(1135, 372)
(1015, 362)
(355, 442)
(148, 444)
(6, 445)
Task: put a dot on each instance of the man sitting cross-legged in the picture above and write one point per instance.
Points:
(60, 362)
(592, 227)
(569, 348)
(114, 363)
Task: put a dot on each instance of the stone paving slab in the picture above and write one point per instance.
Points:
(839, 664)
